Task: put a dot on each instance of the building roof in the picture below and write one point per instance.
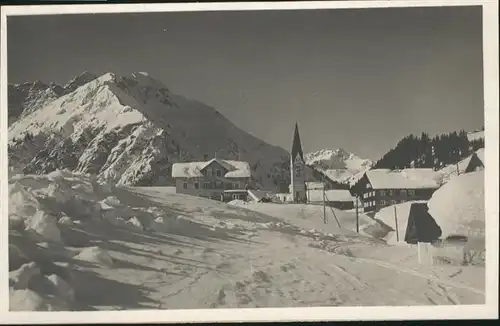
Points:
(296, 145)
(450, 171)
(452, 168)
(235, 169)
(311, 185)
(258, 194)
(333, 195)
(403, 179)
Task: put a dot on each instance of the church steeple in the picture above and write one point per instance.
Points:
(296, 145)
(297, 170)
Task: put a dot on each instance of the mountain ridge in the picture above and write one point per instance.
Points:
(337, 164)
(130, 130)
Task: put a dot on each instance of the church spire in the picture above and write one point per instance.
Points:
(296, 146)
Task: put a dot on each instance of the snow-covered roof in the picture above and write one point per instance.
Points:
(257, 194)
(338, 195)
(314, 185)
(403, 179)
(450, 171)
(235, 169)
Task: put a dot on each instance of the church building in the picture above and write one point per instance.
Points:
(298, 190)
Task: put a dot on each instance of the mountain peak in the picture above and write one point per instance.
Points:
(78, 81)
(338, 164)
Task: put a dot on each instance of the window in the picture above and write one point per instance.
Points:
(373, 203)
(411, 192)
(382, 192)
(297, 171)
(365, 195)
(393, 202)
(382, 202)
(403, 192)
(209, 172)
(185, 185)
(236, 186)
(390, 192)
(218, 173)
(373, 193)
(196, 185)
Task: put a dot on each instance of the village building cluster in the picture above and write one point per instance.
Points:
(227, 180)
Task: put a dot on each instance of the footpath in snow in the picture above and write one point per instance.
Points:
(75, 244)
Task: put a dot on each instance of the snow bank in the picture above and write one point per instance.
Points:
(21, 205)
(21, 277)
(26, 300)
(458, 206)
(237, 202)
(96, 255)
(44, 226)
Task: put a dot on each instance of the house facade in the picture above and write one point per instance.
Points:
(338, 198)
(215, 179)
(379, 188)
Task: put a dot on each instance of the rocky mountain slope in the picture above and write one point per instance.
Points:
(27, 97)
(339, 165)
(129, 130)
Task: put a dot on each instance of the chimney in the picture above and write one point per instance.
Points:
(205, 157)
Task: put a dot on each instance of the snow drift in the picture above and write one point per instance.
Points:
(458, 206)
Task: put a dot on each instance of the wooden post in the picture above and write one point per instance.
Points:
(357, 215)
(419, 255)
(308, 193)
(396, 220)
(324, 204)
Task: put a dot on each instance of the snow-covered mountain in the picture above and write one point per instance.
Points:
(28, 97)
(339, 165)
(475, 135)
(129, 130)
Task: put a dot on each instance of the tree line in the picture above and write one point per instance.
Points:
(426, 152)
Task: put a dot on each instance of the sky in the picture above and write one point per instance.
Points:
(358, 79)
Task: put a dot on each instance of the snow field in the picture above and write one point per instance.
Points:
(148, 248)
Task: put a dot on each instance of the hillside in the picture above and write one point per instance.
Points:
(130, 130)
(437, 152)
(339, 165)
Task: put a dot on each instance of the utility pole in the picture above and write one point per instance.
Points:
(396, 220)
(324, 203)
(357, 215)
